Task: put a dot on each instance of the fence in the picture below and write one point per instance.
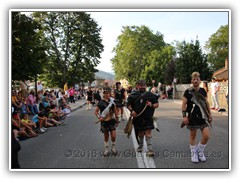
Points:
(180, 88)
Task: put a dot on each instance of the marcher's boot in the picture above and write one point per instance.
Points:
(194, 153)
(140, 147)
(201, 155)
(149, 146)
(106, 151)
(114, 151)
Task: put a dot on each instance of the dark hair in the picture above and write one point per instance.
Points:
(142, 82)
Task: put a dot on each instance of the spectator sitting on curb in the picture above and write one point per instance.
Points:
(24, 107)
(42, 119)
(29, 123)
(19, 132)
(56, 113)
(22, 126)
(65, 108)
(45, 101)
(15, 100)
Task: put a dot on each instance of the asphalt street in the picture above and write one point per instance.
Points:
(79, 144)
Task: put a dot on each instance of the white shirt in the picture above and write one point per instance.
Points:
(214, 87)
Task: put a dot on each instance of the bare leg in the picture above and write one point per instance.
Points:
(202, 143)
(113, 138)
(106, 137)
(193, 133)
(193, 147)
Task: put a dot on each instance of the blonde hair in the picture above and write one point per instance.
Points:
(195, 75)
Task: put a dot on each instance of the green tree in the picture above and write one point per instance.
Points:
(169, 72)
(157, 60)
(28, 53)
(136, 50)
(74, 46)
(189, 59)
(217, 46)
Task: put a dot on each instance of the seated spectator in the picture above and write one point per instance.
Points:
(15, 100)
(24, 107)
(65, 108)
(28, 122)
(52, 97)
(45, 101)
(44, 121)
(19, 133)
(56, 112)
(23, 128)
(31, 102)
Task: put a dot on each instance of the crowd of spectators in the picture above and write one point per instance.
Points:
(32, 114)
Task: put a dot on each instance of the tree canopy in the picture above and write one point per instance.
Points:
(140, 54)
(190, 58)
(28, 52)
(74, 46)
(217, 46)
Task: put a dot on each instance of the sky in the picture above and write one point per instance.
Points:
(174, 25)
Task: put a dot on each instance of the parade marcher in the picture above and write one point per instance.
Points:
(107, 114)
(142, 105)
(120, 98)
(89, 98)
(196, 115)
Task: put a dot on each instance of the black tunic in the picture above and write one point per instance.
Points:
(138, 101)
(195, 116)
(89, 95)
(119, 97)
(110, 125)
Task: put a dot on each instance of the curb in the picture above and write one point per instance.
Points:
(78, 107)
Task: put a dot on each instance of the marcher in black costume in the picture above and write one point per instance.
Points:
(108, 119)
(120, 98)
(196, 115)
(142, 105)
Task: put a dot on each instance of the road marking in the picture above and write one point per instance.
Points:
(142, 160)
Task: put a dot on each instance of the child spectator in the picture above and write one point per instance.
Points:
(28, 121)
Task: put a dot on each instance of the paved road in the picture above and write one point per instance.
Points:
(79, 144)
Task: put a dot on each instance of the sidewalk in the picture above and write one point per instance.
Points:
(78, 104)
(179, 101)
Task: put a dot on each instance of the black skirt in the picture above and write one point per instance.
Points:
(107, 126)
(143, 124)
(196, 122)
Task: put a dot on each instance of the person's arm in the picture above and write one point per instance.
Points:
(116, 113)
(154, 104)
(209, 110)
(133, 113)
(97, 114)
(125, 95)
(184, 111)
